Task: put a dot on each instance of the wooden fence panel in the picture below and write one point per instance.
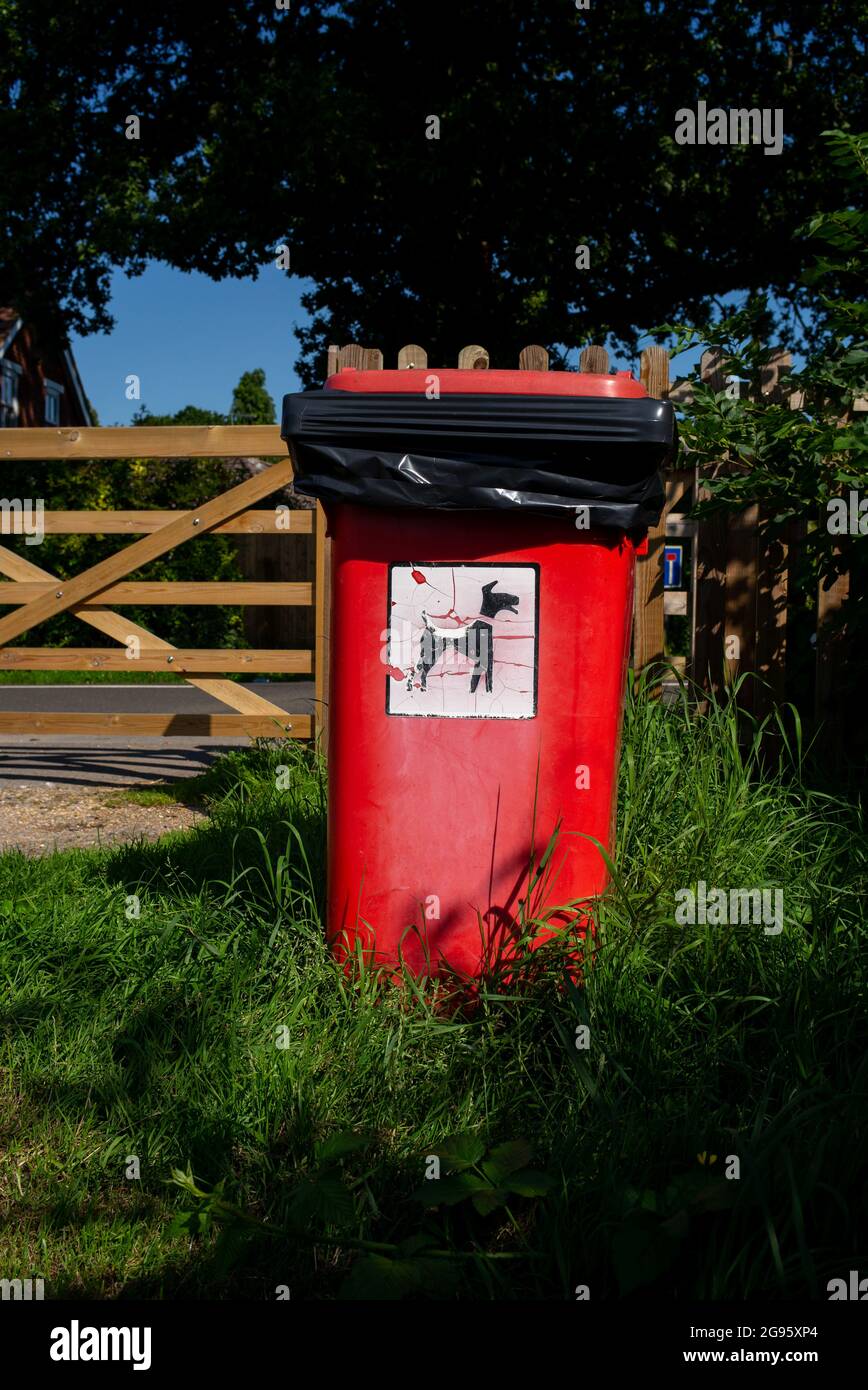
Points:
(771, 616)
(648, 613)
(740, 595)
(829, 707)
(709, 566)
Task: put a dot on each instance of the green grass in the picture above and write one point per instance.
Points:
(157, 1035)
(169, 795)
(236, 775)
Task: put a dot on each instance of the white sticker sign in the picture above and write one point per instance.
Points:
(463, 641)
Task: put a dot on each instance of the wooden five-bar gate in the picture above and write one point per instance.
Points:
(94, 595)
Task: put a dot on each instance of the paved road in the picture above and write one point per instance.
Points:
(88, 761)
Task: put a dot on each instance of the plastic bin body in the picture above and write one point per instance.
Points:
(434, 819)
(485, 530)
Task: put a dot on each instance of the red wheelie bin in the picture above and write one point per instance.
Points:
(485, 527)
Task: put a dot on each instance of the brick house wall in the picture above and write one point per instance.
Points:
(40, 381)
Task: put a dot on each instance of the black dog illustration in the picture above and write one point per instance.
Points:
(475, 641)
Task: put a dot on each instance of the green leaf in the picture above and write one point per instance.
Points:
(546, 856)
(324, 1199)
(530, 1183)
(507, 1158)
(461, 1151)
(341, 1145)
(190, 1223)
(488, 1201)
(231, 1244)
(183, 1178)
(449, 1191)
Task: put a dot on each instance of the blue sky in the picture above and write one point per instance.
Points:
(188, 339)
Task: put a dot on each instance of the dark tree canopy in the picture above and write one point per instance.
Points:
(308, 127)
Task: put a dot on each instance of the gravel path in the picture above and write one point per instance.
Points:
(38, 819)
(62, 792)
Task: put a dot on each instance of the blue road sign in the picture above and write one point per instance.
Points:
(672, 558)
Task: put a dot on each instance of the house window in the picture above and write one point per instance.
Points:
(9, 394)
(53, 393)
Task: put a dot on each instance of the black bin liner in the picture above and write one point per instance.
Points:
(546, 455)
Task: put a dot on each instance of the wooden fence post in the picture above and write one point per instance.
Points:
(594, 359)
(363, 359)
(533, 359)
(412, 355)
(323, 590)
(473, 358)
